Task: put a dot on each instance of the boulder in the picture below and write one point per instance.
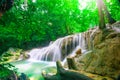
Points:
(104, 57)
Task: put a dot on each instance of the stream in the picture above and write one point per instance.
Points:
(43, 59)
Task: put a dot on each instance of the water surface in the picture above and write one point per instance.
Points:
(33, 69)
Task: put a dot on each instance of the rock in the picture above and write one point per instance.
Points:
(78, 52)
(23, 77)
(66, 46)
(100, 46)
(63, 74)
(71, 63)
(105, 56)
(11, 55)
(112, 35)
(24, 56)
(118, 78)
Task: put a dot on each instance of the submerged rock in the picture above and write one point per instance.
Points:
(23, 77)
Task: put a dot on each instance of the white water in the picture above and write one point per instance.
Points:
(60, 48)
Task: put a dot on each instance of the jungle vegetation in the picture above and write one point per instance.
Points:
(33, 23)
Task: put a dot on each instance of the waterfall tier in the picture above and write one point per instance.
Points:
(60, 48)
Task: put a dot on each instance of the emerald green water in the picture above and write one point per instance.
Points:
(33, 69)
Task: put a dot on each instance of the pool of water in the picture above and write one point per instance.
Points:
(33, 69)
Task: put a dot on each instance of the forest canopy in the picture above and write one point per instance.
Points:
(34, 22)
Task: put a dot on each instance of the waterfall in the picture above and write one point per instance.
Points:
(60, 48)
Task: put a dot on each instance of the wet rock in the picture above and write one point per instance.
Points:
(24, 56)
(23, 77)
(78, 52)
(118, 78)
(11, 55)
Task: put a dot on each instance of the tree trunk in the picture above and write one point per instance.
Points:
(63, 74)
(101, 15)
(101, 9)
(71, 63)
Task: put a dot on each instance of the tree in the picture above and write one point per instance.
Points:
(101, 8)
(5, 5)
(101, 15)
(63, 74)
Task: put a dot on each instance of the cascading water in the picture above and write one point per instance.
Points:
(40, 59)
(60, 48)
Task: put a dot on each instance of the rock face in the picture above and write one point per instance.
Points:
(104, 57)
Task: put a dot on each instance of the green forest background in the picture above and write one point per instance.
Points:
(46, 20)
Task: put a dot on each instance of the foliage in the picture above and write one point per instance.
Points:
(113, 7)
(46, 20)
(10, 55)
(6, 70)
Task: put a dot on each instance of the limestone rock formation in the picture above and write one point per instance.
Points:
(104, 57)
